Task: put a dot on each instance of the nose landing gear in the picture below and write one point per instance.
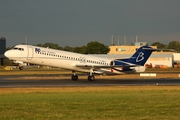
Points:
(21, 67)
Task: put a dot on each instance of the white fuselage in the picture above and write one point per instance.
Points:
(61, 59)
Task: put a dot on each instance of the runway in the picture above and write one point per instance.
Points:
(84, 82)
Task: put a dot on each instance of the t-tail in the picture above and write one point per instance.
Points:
(140, 56)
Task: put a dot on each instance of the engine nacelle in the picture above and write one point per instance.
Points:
(136, 69)
(123, 68)
(115, 62)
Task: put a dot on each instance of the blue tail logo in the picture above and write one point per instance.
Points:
(140, 57)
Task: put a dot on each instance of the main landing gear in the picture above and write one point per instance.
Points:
(74, 77)
(90, 77)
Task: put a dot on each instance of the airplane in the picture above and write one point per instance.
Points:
(80, 62)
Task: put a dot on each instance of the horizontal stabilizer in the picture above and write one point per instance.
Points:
(151, 49)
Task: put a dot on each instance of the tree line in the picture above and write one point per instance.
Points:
(175, 45)
(95, 47)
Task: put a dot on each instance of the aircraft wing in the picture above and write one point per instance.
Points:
(104, 66)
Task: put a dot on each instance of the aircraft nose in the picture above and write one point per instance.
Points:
(7, 54)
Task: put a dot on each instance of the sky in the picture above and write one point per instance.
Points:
(77, 22)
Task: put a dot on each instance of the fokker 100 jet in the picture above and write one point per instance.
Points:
(80, 62)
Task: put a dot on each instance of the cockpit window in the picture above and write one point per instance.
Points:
(16, 48)
(21, 49)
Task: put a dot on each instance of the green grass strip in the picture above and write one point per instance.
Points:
(97, 103)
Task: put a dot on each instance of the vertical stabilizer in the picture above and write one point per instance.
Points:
(141, 55)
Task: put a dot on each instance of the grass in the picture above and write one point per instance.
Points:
(98, 103)
(82, 103)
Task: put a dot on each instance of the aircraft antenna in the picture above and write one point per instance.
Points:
(26, 38)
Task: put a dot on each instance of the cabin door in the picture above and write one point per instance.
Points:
(30, 53)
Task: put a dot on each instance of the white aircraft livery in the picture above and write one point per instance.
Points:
(80, 62)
